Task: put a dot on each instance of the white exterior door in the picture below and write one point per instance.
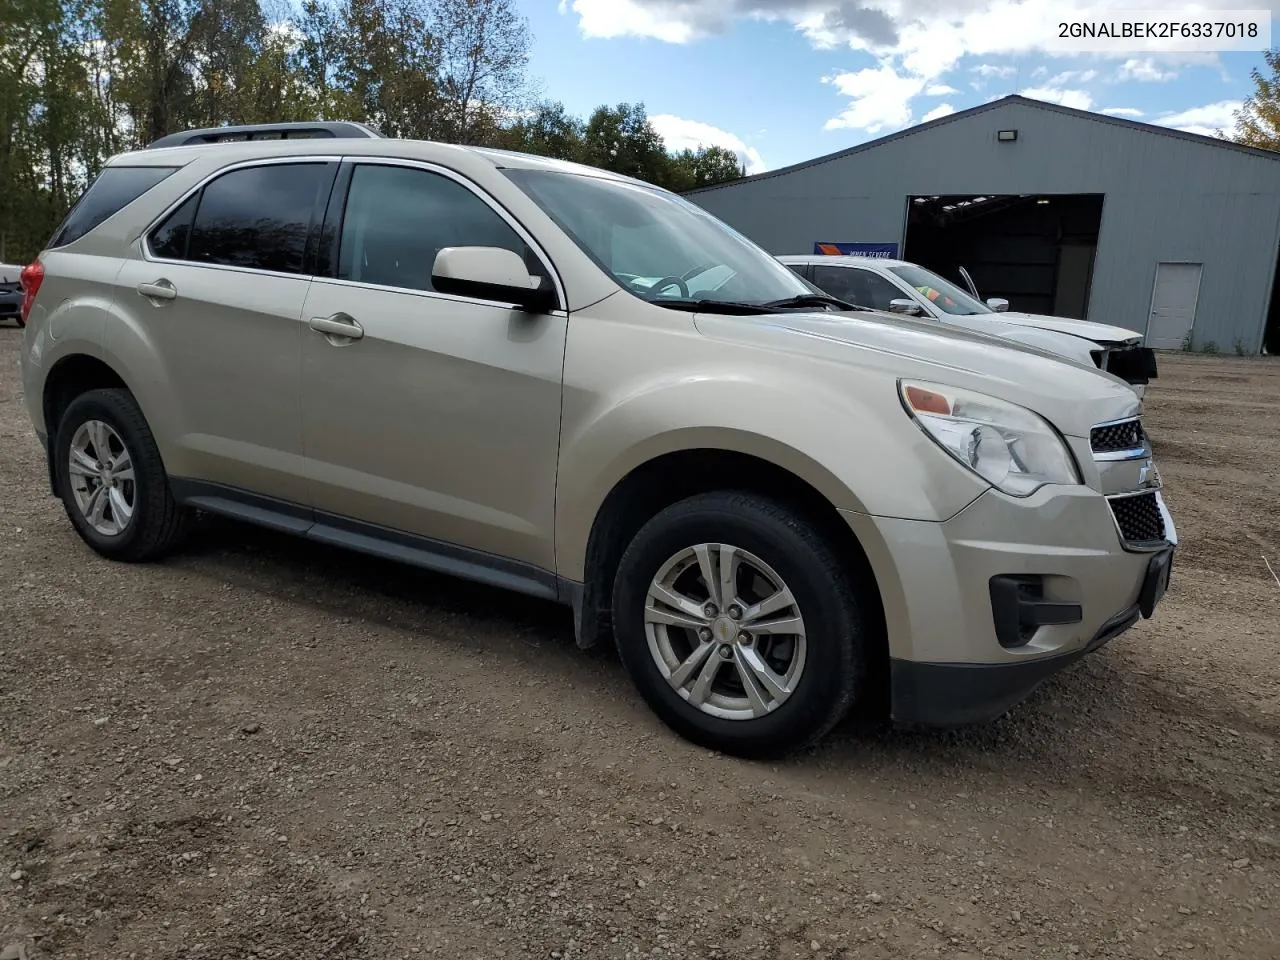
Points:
(1173, 305)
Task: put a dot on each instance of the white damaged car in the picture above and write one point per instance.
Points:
(896, 286)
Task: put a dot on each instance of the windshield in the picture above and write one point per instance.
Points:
(657, 245)
(944, 295)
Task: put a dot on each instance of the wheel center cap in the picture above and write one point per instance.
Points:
(724, 629)
(106, 477)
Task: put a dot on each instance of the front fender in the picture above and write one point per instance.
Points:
(862, 457)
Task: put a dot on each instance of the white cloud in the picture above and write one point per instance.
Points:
(916, 43)
(988, 71)
(1144, 70)
(921, 30)
(681, 134)
(1122, 112)
(1077, 99)
(1206, 120)
(1073, 76)
(939, 90)
(880, 99)
(938, 112)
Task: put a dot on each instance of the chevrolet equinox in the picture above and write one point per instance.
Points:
(572, 384)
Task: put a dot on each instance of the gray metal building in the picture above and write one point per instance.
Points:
(1058, 210)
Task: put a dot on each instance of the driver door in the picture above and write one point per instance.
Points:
(439, 417)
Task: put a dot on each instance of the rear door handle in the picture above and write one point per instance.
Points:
(162, 289)
(339, 325)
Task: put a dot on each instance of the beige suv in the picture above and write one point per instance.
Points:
(571, 384)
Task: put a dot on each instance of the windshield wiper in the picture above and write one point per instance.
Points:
(813, 300)
(704, 305)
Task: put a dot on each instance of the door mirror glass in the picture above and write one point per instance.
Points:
(491, 273)
(998, 304)
(904, 306)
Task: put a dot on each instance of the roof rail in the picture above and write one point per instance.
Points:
(344, 129)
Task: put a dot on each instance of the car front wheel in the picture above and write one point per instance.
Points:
(740, 625)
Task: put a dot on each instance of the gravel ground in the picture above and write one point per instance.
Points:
(263, 748)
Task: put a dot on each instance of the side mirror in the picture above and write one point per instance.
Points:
(491, 273)
(904, 306)
(998, 304)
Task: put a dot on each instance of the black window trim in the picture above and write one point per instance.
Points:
(144, 239)
(336, 213)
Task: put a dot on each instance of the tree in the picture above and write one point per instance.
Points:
(82, 80)
(704, 167)
(549, 130)
(387, 66)
(623, 140)
(1258, 119)
(484, 49)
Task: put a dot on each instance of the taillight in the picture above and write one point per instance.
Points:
(31, 277)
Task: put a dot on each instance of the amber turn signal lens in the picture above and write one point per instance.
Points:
(926, 401)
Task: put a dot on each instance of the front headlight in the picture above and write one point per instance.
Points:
(1012, 448)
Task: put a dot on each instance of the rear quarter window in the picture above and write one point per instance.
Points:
(111, 191)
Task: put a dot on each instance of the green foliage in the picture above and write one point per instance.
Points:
(81, 80)
(1258, 119)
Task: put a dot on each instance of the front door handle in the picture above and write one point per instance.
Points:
(161, 289)
(339, 325)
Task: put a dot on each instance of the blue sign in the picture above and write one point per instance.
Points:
(887, 250)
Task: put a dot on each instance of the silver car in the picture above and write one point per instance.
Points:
(568, 383)
(896, 286)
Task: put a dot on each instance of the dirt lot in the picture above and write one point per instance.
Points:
(262, 748)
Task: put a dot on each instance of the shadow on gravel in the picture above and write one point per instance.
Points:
(1100, 725)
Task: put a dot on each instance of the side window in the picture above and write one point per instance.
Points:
(113, 190)
(398, 218)
(839, 282)
(800, 269)
(169, 240)
(877, 292)
(258, 217)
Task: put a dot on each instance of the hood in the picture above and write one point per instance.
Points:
(1097, 332)
(1071, 396)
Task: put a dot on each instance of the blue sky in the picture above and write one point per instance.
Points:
(780, 81)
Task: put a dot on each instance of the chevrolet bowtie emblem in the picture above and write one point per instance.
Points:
(1148, 476)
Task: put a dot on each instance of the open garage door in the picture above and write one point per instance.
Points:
(1036, 251)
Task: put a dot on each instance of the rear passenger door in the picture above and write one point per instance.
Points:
(218, 290)
(440, 416)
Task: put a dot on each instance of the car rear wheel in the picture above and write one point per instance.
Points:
(111, 478)
(740, 625)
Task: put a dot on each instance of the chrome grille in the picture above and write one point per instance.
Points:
(1138, 516)
(1119, 436)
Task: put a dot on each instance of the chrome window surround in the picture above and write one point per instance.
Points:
(372, 160)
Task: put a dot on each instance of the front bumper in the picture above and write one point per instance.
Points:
(954, 694)
(941, 587)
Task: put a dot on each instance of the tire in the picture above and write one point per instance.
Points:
(836, 626)
(156, 522)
